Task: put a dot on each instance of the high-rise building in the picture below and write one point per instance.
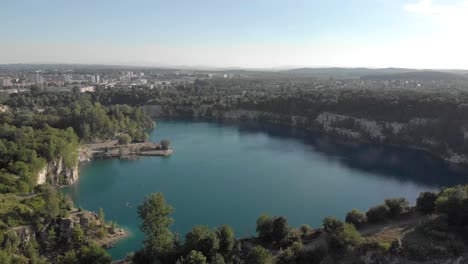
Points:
(6, 82)
(98, 79)
(66, 78)
(36, 79)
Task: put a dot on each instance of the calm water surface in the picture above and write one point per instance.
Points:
(231, 173)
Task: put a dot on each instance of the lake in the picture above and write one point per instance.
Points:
(224, 173)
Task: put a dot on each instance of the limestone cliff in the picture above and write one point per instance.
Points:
(342, 126)
(56, 173)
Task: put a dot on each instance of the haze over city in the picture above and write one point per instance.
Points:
(248, 34)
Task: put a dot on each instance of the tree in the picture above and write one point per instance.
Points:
(356, 217)
(341, 235)
(226, 238)
(259, 255)
(265, 227)
(306, 230)
(154, 212)
(165, 143)
(101, 217)
(95, 254)
(51, 241)
(378, 213)
(218, 259)
(52, 200)
(280, 229)
(397, 206)
(453, 202)
(194, 257)
(202, 239)
(78, 237)
(332, 224)
(426, 202)
(124, 139)
(68, 258)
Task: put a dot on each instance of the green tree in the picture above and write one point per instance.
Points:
(259, 255)
(51, 241)
(95, 254)
(69, 257)
(202, 239)
(332, 224)
(154, 212)
(165, 143)
(226, 238)
(356, 217)
(78, 236)
(281, 229)
(124, 139)
(52, 199)
(426, 202)
(378, 213)
(397, 206)
(194, 257)
(101, 216)
(218, 259)
(265, 227)
(453, 202)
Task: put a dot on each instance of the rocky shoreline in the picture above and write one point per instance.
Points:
(111, 149)
(326, 123)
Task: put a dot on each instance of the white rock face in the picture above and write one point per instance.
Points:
(42, 176)
(57, 173)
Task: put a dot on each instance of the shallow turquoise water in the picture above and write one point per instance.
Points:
(231, 173)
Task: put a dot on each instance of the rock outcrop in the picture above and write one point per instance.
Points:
(56, 173)
(341, 126)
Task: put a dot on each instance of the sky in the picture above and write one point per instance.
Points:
(265, 34)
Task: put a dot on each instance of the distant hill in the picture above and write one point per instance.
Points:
(343, 72)
(416, 76)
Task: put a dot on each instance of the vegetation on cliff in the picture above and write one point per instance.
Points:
(429, 119)
(433, 230)
(37, 223)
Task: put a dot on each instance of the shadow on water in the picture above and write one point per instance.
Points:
(404, 165)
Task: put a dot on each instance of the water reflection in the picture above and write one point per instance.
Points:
(404, 165)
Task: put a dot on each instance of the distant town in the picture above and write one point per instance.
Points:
(54, 80)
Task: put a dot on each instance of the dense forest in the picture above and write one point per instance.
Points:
(38, 223)
(422, 117)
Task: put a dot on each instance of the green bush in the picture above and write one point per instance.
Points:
(356, 217)
(397, 206)
(426, 202)
(378, 213)
(259, 255)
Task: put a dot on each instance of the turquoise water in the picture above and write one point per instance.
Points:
(231, 173)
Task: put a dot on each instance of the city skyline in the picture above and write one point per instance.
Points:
(420, 34)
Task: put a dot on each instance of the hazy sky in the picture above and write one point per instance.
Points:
(237, 33)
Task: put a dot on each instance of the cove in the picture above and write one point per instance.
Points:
(225, 173)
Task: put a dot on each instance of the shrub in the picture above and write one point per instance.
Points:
(426, 202)
(202, 239)
(226, 238)
(397, 206)
(194, 257)
(332, 224)
(165, 143)
(306, 230)
(124, 139)
(356, 217)
(453, 202)
(378, 213)
(259, 255)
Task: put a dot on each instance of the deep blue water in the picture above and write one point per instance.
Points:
(231, 173)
